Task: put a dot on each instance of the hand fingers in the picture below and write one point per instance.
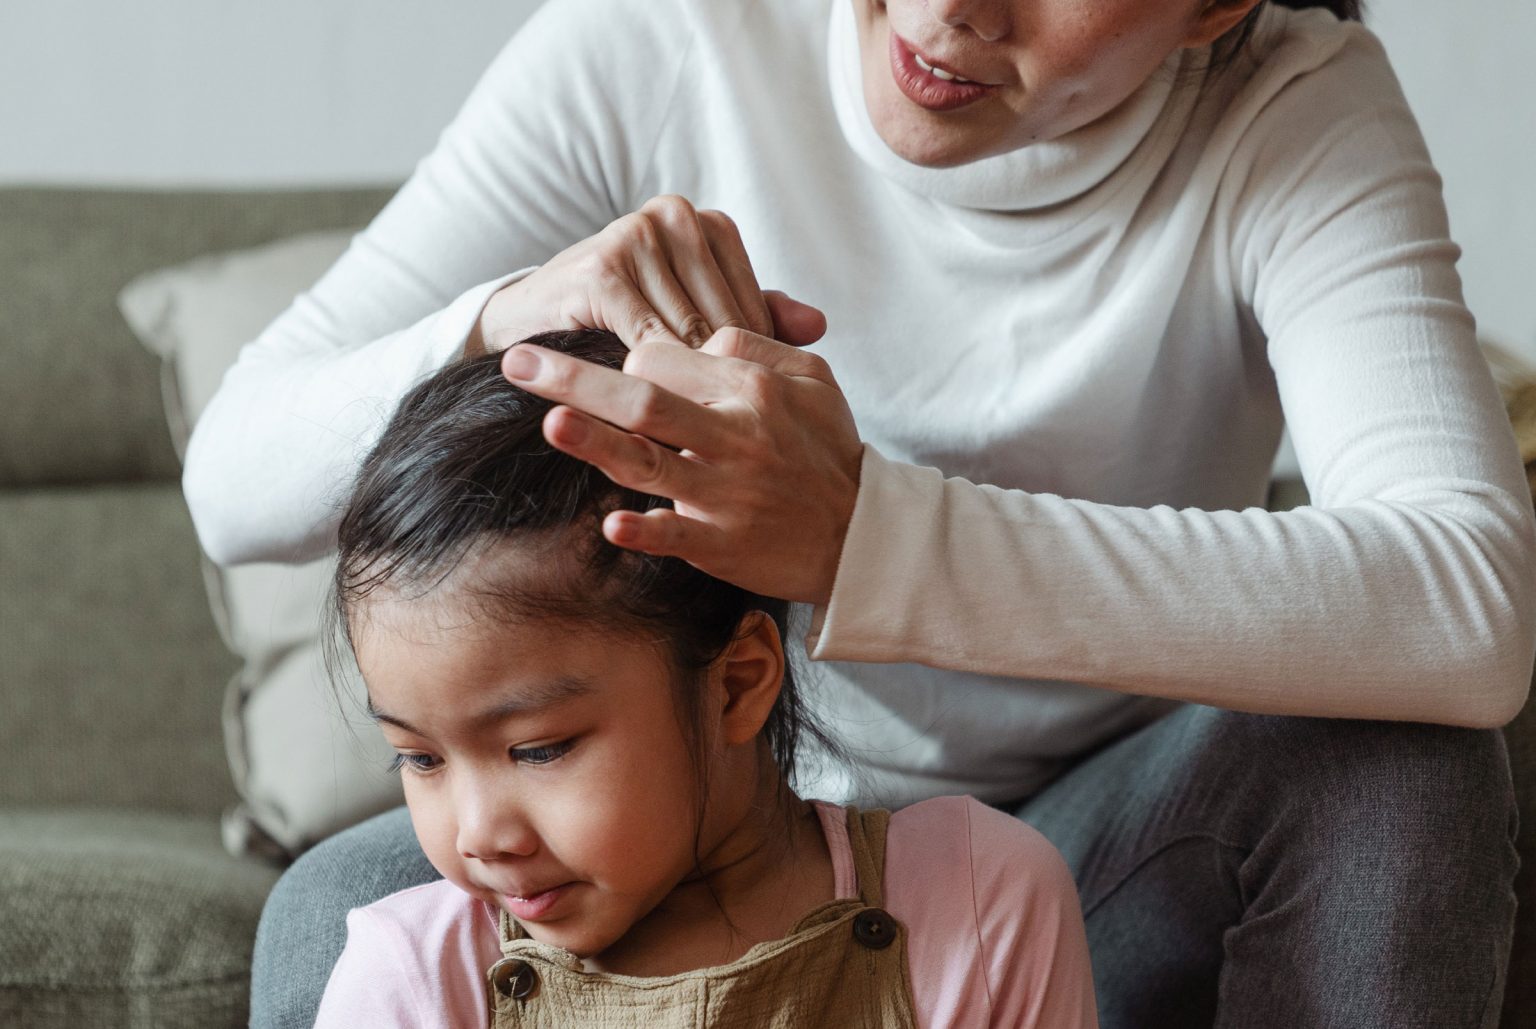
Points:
(666, 273)
(628, 459)
(629, 402)
(665, 533)
(770, 353)
(631, 315)
(731, 257)
(794, 322)
(714, 374)
(682, 274)
(695, 375)
(651, 304)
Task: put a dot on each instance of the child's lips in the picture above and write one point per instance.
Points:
(532, 905)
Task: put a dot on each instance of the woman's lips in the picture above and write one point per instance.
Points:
(534, 907)
(927, 90)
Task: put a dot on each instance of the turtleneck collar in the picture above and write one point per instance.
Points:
(1036, 176)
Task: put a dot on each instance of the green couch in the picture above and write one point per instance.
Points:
(118, 904)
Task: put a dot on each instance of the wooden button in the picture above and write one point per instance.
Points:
(514, 978)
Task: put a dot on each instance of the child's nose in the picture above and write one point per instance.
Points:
(489, 827)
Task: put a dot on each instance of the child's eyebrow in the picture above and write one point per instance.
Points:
(527, 699)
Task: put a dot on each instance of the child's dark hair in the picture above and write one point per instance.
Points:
(463, 466)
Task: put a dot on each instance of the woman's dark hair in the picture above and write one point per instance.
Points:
(463, 467)
(1229, 46)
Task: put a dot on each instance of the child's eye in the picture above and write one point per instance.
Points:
(420, 764)
(541, 755)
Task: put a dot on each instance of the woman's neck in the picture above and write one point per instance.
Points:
(763, 870)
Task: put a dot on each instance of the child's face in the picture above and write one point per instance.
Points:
(545, 767)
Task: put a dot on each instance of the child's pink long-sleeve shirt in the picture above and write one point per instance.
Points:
(994, 933)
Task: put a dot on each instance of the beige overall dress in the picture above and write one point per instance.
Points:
(842, 965)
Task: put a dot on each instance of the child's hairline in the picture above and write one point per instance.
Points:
(460, 581)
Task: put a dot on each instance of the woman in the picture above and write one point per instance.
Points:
(1086, 258)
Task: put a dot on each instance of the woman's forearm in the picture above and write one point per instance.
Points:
(1414, 608)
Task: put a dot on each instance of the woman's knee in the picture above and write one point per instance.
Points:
(1383, 806)
(1349, 779)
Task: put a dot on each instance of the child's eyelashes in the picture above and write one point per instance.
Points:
(541, 755)
(418, 763)
(422, 764)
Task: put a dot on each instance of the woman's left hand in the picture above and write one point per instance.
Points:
(766, 467)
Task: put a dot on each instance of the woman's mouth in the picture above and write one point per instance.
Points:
(931, 86)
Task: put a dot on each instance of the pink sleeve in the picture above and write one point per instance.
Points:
(371, 985)
(995, 933)
(414, 960)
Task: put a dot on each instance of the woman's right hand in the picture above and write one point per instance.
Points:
(666, 273)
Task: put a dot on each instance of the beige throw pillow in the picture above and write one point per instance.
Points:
(304, 762)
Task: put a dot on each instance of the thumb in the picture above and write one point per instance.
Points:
(794, 322)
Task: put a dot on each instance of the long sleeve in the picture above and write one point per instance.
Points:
(543, 153)
(1404, 592)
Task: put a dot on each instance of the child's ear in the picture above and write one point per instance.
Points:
(1216, 19)
(752, 673)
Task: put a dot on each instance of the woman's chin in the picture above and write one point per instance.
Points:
(928, 145)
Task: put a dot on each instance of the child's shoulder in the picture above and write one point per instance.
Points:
(994, 932)
(953, 859)
(418, 897)
(415, 957)
(964, 833)
(438, 904)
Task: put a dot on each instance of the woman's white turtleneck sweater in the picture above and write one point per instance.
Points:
(1069, 364)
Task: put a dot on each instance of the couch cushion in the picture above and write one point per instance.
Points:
(114, 918)
(196, 316)
(79, 400)
(302, 772)
(110, 666)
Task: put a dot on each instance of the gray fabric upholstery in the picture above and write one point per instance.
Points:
(79, 399)
(111, 670)
(113, 879)
(121, 918)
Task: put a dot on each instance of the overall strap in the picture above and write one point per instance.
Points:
(866, 838)
(510, 928)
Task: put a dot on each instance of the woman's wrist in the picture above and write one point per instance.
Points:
(483, 332)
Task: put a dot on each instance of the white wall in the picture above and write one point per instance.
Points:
(236, 91)
(1469, 70)
(288, 91)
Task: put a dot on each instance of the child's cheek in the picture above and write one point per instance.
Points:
(619, 826)
(436, 828)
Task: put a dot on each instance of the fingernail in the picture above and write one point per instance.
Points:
(571, 431)
(622, 528)
(521, 364)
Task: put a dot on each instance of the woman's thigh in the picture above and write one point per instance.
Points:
(304, 924)
(1247, 870)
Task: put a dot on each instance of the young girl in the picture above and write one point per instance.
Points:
(596, 747)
